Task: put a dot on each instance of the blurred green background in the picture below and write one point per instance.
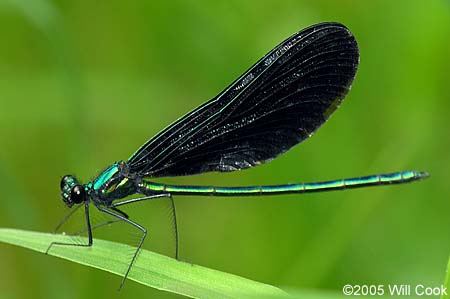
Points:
(85, 83)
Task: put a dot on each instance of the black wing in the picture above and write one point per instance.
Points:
(277, 103)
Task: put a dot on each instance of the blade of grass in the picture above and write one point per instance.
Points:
(150, 269)
(447, 282)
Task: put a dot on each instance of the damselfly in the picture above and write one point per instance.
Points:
(279, 102)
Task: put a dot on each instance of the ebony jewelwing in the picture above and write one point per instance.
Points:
(279, 102)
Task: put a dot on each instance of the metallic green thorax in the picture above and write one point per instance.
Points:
(112, 183)
(383, 179)
(105, 176)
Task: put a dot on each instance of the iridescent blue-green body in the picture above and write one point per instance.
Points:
(373, 180)
(279, 102)
(116, 183)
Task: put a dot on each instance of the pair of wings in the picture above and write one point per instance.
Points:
(279, 102)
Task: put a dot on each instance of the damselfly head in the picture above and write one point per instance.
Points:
(72, 192)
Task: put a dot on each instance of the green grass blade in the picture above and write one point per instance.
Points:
(150, 269)
(447, 282)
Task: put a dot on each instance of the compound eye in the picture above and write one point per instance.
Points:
(77, 194)
(63, 181)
